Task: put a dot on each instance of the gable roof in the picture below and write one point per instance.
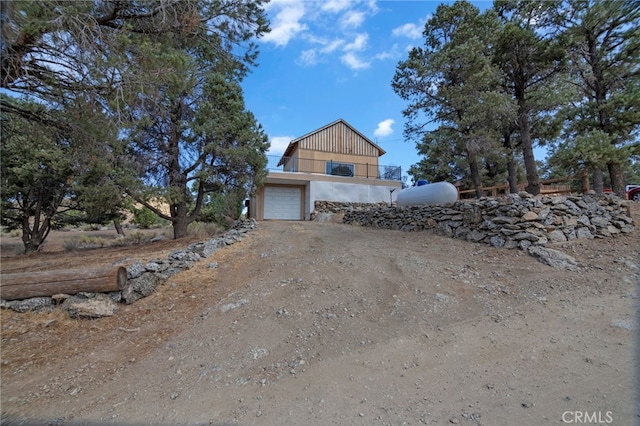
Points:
(292, 145)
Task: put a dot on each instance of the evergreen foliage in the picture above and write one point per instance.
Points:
(484, 86)
(145, 94)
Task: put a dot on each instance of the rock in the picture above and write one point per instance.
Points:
(59, 298)
(116, 296)
(476, 236)
(152, 267)
(556, 236)
(625, 324)
(135, 270)
(584, 233)
(206, 248)
(98, 306)
(184, 256)
(599, 221)
(529, 216)
(159, 237)
(140, 287)
(553, 258)
(212, 265)
(496, 241)
(572, 206)
(510, 244)
(31, 304)
(229, 306)
(524, 244)
(544, 213)
(525, 236)
(628, 263)
(505, 219)
(613, 230)
(442, 297)
(472, 215)
(584, 220)
(459, 232)
(323, 217)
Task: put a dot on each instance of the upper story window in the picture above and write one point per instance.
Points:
(339, 169)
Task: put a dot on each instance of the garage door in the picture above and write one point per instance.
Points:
(282, 202)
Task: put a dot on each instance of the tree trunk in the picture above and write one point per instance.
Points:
(617, 179)
(584, 176)
(177, 177)
(34, 235)
(68, 281)
(118, 226)
(475, 175)
(512, 177)
(598, 181)
(179, 220)
(533, 180)
(512, 169)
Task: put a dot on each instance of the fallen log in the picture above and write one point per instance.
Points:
(24, 285)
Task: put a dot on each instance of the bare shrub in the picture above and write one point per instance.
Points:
(203, 229)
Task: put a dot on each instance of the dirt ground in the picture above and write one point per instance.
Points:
(307, 323)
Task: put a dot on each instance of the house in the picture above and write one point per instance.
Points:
(333, 163)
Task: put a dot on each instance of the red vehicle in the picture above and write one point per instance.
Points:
(633, 192)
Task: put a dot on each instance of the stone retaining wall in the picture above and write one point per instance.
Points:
(143, 279)
(515, 221)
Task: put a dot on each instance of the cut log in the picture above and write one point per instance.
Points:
(69, 281)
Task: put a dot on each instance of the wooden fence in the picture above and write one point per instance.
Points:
(561, 185)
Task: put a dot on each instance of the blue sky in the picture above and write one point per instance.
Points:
(325, 60)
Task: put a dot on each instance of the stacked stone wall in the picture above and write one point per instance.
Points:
(143, 279)
(515, 221)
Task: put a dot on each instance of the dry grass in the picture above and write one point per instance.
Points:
(23, 332)
(38, 338)
(204, 230)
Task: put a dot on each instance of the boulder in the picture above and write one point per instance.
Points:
(140, 287)
(553, 258)
(100, 305)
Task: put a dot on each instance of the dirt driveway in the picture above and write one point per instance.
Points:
(328, 324)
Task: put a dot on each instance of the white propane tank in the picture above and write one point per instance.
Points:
(431, 193)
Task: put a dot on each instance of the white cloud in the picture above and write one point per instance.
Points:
(353, 62)
(359, 43)
(330, 47)
(327, 29)
(308, 57)
(394, 53)
(336, 6)
(383, 56)
(313, 56)
(373, 6)
(279, 144)
(327, 45)
(410, 30)
(384, 128)
(286, 24)
(352, 19)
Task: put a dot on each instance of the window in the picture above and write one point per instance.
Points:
(339, 169)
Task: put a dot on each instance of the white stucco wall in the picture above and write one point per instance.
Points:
(348, 192)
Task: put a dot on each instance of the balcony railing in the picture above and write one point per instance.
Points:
(336, 168)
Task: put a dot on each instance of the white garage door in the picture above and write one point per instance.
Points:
(282, 202)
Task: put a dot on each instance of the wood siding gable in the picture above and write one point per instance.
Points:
(338, 137)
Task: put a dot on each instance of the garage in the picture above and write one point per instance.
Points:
(283, 202)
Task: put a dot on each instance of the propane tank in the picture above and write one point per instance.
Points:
(428, 193)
